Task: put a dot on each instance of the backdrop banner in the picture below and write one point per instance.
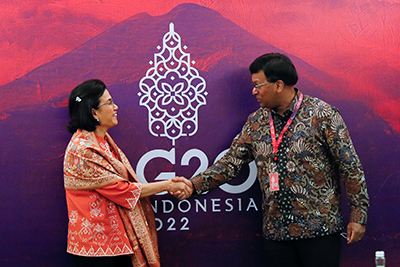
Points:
(183, 88)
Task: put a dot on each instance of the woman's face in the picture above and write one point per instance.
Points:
(106, 113)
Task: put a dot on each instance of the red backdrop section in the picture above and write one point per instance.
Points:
(354, 40)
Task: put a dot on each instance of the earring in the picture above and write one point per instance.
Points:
(97, 119)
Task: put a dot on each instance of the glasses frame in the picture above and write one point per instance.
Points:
(109, 102)
(259, 85)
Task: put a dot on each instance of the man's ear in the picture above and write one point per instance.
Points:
(279, 85)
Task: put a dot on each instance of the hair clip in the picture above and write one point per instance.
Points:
(78, 99)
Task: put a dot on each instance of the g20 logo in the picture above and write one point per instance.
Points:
(184, 161)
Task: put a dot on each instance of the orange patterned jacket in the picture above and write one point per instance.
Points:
(107, 217)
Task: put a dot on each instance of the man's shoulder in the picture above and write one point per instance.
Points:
(256, 115)
(313, 99)
(317, 103)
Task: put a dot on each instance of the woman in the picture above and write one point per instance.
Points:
(111, 221)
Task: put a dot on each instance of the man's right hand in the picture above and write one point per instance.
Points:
(186, 193)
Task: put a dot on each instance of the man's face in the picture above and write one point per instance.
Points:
(265, 93)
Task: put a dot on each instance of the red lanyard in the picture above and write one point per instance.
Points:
(275, 143)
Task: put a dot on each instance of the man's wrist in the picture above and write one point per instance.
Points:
(194, 191)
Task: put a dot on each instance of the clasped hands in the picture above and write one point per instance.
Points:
(181, 188)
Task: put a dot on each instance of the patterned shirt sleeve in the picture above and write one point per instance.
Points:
(122, 193)
(225, 169)
(349, 165)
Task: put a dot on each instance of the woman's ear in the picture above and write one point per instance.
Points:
(94, 113)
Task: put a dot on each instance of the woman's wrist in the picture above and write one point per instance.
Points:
(168, 186)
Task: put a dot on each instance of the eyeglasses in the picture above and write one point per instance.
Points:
(110, 102)
(256, 86)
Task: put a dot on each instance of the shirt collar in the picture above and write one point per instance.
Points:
(292, 106)
(294, 101)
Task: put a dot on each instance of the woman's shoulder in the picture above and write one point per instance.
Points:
(82, 140)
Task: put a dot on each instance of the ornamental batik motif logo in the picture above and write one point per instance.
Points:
(172, 90)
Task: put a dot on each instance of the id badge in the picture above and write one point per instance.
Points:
(274, 181)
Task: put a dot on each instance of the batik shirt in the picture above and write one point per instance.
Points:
(315, 155)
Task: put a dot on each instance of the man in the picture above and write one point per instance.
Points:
(302, 150)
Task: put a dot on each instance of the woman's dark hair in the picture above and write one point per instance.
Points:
(82, 100)
(276, 67)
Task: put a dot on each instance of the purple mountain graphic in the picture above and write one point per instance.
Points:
(34, 138)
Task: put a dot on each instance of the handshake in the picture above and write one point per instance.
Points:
(180, 187)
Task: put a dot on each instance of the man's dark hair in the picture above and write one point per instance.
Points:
(82, 100)
(276, 67)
